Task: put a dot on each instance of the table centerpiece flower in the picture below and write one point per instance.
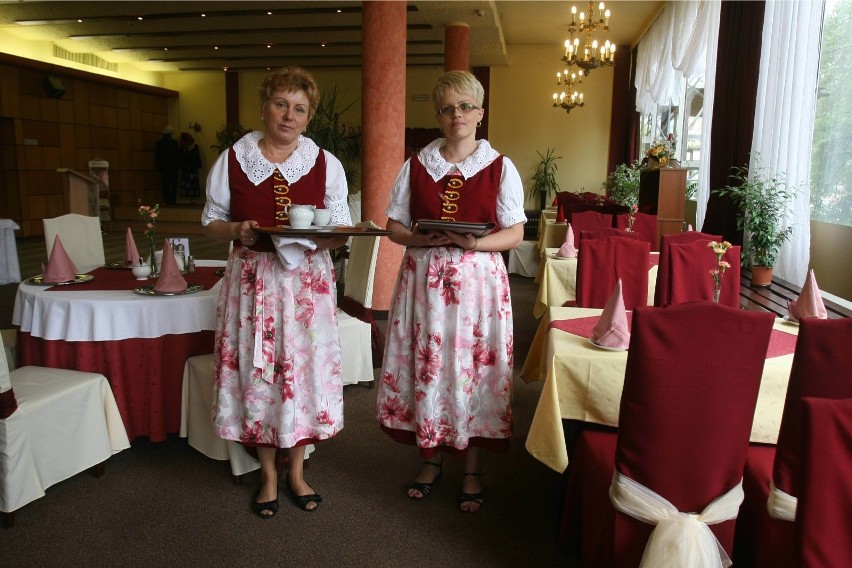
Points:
(717, 272)
(149, 215)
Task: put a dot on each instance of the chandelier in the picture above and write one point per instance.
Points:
(573, 98)
(582, 54)
(586, 53)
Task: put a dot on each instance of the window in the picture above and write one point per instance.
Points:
(831, 165)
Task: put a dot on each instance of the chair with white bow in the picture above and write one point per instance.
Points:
(54, 423)
(664, 489)
(772, 481)
(80, 235)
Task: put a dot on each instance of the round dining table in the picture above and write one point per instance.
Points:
(139, 342)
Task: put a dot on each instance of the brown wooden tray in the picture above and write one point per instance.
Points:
(324, 231)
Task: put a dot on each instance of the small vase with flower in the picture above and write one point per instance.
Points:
(149, 215)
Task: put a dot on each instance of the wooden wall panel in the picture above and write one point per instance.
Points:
(97, 117)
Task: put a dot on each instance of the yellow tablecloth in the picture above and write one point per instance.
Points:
(583, 382)
(557, 281)
(551, 234)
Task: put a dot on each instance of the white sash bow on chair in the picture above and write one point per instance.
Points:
(679, 539)
(781, 506)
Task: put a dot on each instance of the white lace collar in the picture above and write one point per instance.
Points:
(257, 168)
(438, 167)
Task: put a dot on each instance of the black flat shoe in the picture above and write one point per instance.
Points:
(265, 510)
(425, 488)
(471, 497)
(302, 501)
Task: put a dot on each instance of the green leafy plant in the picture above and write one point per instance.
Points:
(227, 135)
(622, 185)
(329, 132)
(544, 185)
(763, 200)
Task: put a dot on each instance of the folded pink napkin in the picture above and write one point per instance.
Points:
(170, 279)
(59, 266)
(809, 303)
(612, 329)
(567, 250)
(131, 255)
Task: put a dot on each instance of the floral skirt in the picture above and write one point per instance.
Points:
(277, 375)
(446, 381)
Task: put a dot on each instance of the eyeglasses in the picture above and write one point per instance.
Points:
(449, 110)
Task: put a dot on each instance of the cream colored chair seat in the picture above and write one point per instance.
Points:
(80, 235)
(196, 421)
(54, 423)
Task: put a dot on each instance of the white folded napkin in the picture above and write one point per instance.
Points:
(291, 250)
(809, 304)
(568, 250)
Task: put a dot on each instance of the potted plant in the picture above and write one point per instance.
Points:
(330, 133)
(544, 185)
(622, 185)
(763, 199)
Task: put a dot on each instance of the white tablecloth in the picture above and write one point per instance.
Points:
(109, 315)
(10, 270)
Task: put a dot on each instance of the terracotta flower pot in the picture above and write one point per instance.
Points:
(761, 275)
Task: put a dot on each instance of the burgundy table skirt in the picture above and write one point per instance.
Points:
(146, 375)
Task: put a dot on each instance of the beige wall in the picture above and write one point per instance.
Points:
(831, 252)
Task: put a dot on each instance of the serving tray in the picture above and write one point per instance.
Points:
(476, 229)
(324, 231)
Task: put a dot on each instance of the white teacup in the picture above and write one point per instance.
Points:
(322, 217)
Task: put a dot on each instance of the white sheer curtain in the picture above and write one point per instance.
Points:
(681, 43)
(699, 58)
(784, 116)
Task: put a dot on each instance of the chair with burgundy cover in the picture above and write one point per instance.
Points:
(644, 225)
(590, 220)
(601, 262)
(690, 389)
(663, 285)
(604, 233)
(820, 368)
(824, 514)
(54, 423)
(690, 280)
(562, 200)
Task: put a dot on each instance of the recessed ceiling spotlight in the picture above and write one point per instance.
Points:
(215, 47)
(268, 46)
(322, 44)
(165, 49)
(203, 15)
(79, 21)
(339, 11)
(269, 13)
(139, 18)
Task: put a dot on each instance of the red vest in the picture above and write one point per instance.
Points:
(454, 198)
(265, 203)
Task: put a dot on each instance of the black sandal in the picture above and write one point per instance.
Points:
(471, 497)
(302, 501)
(260, 509)
(425, 488)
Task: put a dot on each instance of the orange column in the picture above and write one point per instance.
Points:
(383, 132)
(457, 47)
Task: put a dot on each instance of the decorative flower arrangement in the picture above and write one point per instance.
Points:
(662, 150)
(149, 215)
(718, 270)
(227, 135)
